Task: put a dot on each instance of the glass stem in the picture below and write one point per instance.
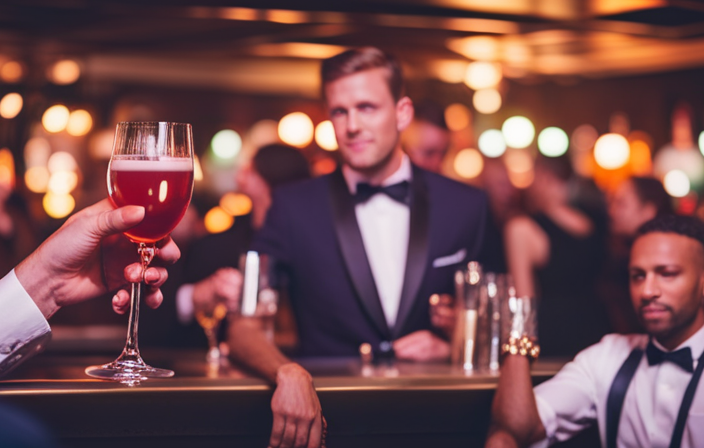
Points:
(146, 254)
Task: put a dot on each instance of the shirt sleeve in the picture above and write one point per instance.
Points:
(567, 402)
(23, 329)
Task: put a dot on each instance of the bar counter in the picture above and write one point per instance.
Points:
(409, 405)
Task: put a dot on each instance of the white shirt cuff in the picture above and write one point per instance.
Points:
(184, 304)
(21, 321)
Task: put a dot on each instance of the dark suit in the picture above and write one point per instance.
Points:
(311, 230)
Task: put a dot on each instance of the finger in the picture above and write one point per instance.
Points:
(315, 434)
(156, 276)
(168, 252)
(118, 220)
(289, 434)
(154, 298)
(121, 302)
(277, 430)
(133, 273)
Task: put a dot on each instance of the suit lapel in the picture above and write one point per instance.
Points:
(417, 256)
(349, 238)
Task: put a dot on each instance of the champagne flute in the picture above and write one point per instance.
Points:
(151, 166)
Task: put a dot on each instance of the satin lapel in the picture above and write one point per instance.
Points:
(349, 238)
(417, 257)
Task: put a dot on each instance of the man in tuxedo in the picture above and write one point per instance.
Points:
(363, 248)
(640, 389)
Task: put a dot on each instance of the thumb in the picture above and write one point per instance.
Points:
(119, 220)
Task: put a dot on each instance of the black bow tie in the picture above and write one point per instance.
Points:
(399, 192)
(681, 357)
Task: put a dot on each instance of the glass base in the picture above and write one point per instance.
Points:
(128, 370)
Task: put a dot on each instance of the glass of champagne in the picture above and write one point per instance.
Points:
(151, 166)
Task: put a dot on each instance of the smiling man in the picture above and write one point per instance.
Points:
(362, 248)
(641, 390)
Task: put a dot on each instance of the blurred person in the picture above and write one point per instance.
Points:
(363, 248)
(210, 269)
(636, 201)
(17, 233)
(83, 259)
(639, 389)
(555, 254)
(426, 140)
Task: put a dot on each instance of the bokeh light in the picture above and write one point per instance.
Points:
(676, 183)
(217, 220)
(518, 132)
(61, 161)
(518, 161)
(641, 162)
(100, 145)
(553, 142)
(491, 143)
(11, 105)
(296, 129)
(36, 179)
(55, 118)
(226, 144)
(65, 72)
(79, 123)
(611, 151)
(58, 206)
(457, 117)
(469, 163)
(325, 136)
(487, 101)
(584, 137)
(701, 142)
(263, 132)
(324, 165)
(482, 75)
(197, 168)
(7, 168)
(449, 71)
(521, 180)
(481, 48)
(11, 72)
(62, 182)
(236, 204)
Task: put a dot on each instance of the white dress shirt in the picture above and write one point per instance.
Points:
(576, 396)
(385, 226)
(22, 325)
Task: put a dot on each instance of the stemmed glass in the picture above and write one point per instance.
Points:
(151, 166)
(209, 319)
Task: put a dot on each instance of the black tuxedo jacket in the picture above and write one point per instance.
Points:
(311, 231)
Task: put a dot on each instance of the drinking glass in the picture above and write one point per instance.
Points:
(151, 166)
(209, 319)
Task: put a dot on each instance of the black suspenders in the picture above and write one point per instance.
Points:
(617, 394)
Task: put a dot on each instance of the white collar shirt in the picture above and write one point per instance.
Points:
(576, 397)
(384, 224)
(22, 324)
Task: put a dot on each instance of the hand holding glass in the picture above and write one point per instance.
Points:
(151, 166)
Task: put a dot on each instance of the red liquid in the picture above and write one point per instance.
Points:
(164, 194)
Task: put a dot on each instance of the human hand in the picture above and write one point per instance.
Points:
(442, 313)
(224, 286)
(421, 346)
(298, 419)
(71, 266)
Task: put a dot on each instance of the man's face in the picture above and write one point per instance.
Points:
(426, 144)
(627, 212)
(366, 118)
(667, 281)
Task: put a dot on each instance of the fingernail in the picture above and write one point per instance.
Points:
(115, 299)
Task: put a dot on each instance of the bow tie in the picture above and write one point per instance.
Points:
(399, 192)
(681, 357)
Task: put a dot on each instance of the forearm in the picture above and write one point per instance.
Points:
(250, 347)
(515, 418)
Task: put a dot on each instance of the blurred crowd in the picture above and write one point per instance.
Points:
(563, 240)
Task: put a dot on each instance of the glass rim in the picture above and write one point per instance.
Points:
(153, 123)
